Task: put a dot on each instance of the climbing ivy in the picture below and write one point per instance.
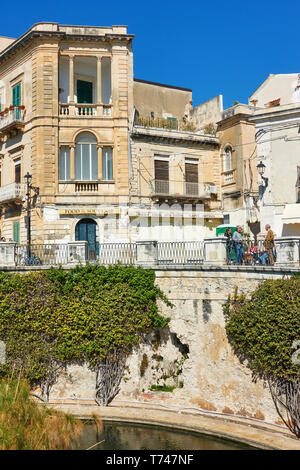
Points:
(92, 314)
(264, 331)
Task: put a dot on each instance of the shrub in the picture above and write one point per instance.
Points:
(91, 314)
(264, 330)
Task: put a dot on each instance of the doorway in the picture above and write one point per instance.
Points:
(86, 230)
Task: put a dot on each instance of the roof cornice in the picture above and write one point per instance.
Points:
(32, 33)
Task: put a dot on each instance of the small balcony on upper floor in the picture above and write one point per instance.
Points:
(12, 120)
(85, 86)
(12, 193)
(181, 190)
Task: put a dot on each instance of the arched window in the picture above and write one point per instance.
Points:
(86, 157)
(227, 158)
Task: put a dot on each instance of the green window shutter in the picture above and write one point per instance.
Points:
(17, 95)
(172, 123)
(16, 232)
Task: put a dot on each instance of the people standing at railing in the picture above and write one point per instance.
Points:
(229, 245)
(238, 244)
(269, 244)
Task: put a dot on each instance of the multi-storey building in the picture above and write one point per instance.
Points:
(175, 165)
(69, 118)
(66, 97)
(238, 161)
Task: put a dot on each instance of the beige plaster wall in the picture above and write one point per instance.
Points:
(164, 101)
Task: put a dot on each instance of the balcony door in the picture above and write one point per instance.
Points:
(86, 230)
(84, 92)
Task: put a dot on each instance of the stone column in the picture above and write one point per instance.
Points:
(7, 254)
(71, 79)
(77, 252)
(287, 251)
(146, 253)
(71, 86)
(99, 87)
(215, 250)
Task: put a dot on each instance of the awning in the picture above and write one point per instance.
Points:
(291, 214)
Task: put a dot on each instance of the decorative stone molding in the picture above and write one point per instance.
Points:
(146, 253)
(288, 251)
(7, 254)
(78, 252)
(215, 250)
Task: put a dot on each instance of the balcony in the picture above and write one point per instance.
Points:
(12, 193)
(228, 177)
(12, 119)
(181, 190)
(85, 110)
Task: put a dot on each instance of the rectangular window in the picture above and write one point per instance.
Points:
(16, 232)
(17, 171)
(226, 219)
(107, 163)
(64, 163)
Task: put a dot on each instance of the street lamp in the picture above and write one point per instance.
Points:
(29, 187)
(261, 170)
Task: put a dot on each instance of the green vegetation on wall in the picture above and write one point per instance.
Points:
(91, 314)
(264, 330)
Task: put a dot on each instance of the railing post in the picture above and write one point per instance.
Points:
(78, 252)
(146, 253)
(215, 250)
(7, 254)
(288, 251)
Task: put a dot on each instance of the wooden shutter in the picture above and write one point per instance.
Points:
(161, 170)
(16, 95)
(16, 232)
(191, 172)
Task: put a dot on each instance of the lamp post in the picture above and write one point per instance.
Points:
(29, 187)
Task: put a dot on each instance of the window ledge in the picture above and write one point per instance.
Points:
(86, 181)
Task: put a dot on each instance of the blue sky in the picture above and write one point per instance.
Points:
(214, 47)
